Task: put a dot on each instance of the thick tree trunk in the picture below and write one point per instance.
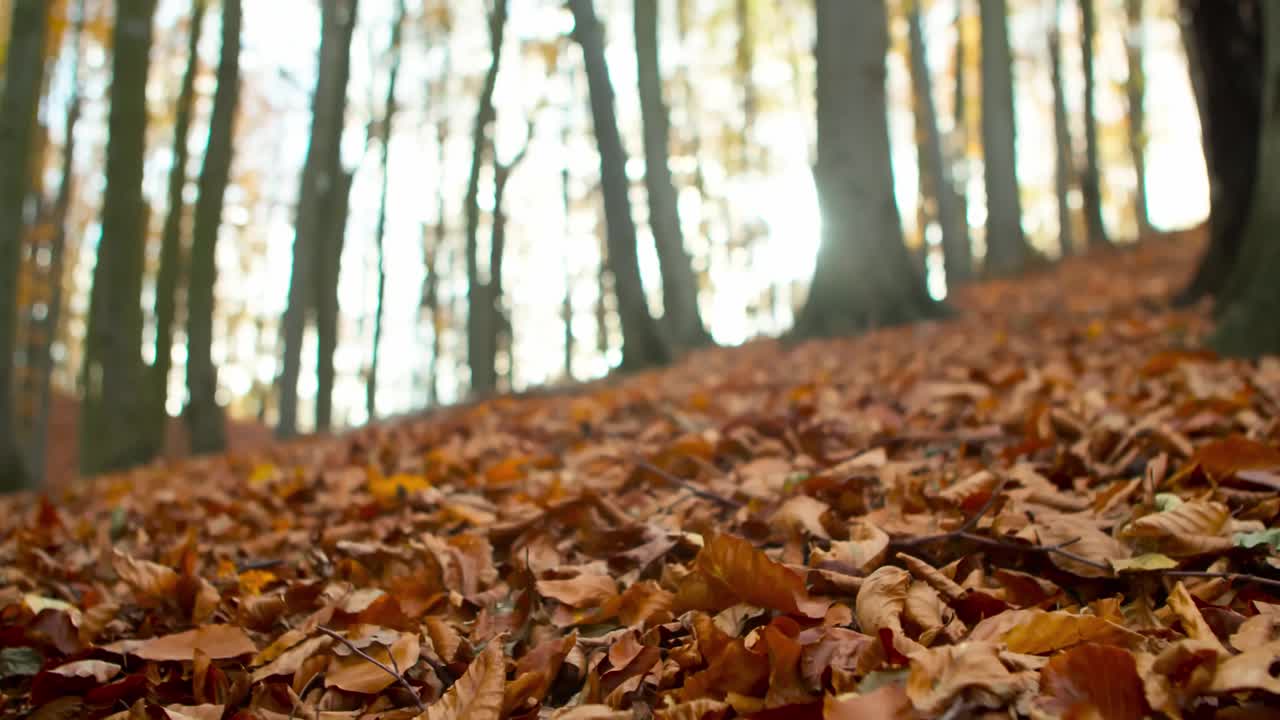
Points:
(1091, 177)
(1136, 90)
(328, 268)
(642, 344)
(480, 356)
(321, 176)
(955, 242)
(1062, 139)
(1007, 250)
(1225, 50)
(23, 78)
(113, 414)
(384, 132)
(171, 236)
(1248, 324)
(864, 276)
(681, 318)
(205, 418)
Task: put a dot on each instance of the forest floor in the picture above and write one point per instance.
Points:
(1052, 505)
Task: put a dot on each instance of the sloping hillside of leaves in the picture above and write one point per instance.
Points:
(1054, 505)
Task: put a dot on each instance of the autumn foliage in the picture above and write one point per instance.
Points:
(1052, 506)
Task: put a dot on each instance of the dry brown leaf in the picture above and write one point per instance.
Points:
(730, 567)
(356, 674)
(1193, 623)
(939, 674)
(800, 516)
(1044, 632)
(1094, 681)
(581, 591)
(1089, 543)
(148, 579)
(100, 670)
(478, 694)
(863, 551)
(1252, 670)
(700, 709)
(217, 641)
(887, 703)
(1256, 631)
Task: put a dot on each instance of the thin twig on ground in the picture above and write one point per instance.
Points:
(399, 678)
(1239, 577)
(969, 524)
(700, 492)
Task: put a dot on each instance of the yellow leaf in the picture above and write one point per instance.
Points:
(1144, 563)
(386, 489)
(1048, 631)
(252, 581)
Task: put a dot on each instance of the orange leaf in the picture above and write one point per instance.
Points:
(732, 566)
(886, 703)
(584, 590)
(478, 694)
(151, 580)
(1227, 456)
(356, 674)
(216, 641)
(1098, 679)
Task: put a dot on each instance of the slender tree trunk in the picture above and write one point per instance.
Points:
(1248, 320)
(681, 318)
(497, 327)
(24, 71)
(1062, 138)
(388, 115)
(566, 303)
(321, 176)
(113, 417)
(1091, 179)
(431, 284)
(328, 269)
(1007, 250)
(1136, 89)
(171, 236)
(44, 362)
(1225, 43)
(642, 343)
(955, 243)
(479, 293)
(205, 419)
(864, 276)
(958, 158)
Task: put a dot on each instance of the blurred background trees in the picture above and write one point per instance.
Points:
(305, 214)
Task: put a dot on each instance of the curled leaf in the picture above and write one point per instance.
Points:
(1094, 679)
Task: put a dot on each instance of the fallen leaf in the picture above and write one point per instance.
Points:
(1098, 679)
(217, 641)
(356, 674)
(730, 567)
(887, 703)
(586, 590)
(478, 694)
(1251, 670)
(148, 579)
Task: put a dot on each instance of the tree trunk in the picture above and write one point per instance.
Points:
(384, 130)
(1062, 138)
(1248, 321)
(205, 419)
(328, 268)
(642, 344)
(1090, 180)
(480, 359)
(431, 284)
(171, 236)
(1007, 250)
(497, 327)
(566, 303)
(958, 157)
(955, 242)
(864, 276)
(36, 456)
(321, 176)
(1136, 89)
(113, 416)
(681, 318)
(23, 79)
(1226, 47)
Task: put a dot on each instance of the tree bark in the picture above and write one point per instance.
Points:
(321, 176)
(955, 242)
(1226, 51)
(681, 318)
(1136, 90)
(642, 344)
(384, 131)
(44, 362)
(864, 277)
(1090, 180)
(1062, 139)
(171, 261)
(1248, 319)
(1007, 249)
(205, 418)
(113, 417)
(24, 71)
(958, 157)
(480, 357)
(328, 268)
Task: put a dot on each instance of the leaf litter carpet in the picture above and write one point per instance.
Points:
(1052, 505)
